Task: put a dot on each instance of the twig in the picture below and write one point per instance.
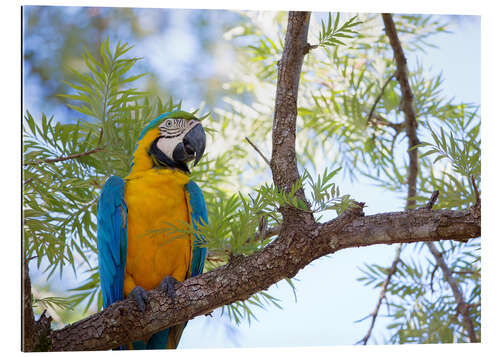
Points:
(101, 131)
(31, 258)
(214, 257)
(72, 156)
(265, 232)
(374, 314)
(476, 191)
(260, 235)
(65, 158)
(432, 278)
(380, 120)
(432, 200)
(258, 151)
(388, 80)
(262, 228)
(462, 308)
(308, 47)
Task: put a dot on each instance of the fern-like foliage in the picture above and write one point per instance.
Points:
(331, 32)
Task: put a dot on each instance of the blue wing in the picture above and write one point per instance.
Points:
(112, 239)
(198, 217)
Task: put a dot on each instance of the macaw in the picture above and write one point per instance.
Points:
(137, 249)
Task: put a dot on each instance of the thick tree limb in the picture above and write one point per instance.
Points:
(123, 321)
(284, 161)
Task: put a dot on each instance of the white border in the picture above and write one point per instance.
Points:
(10, 203)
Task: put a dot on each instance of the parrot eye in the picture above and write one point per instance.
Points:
(172, 127)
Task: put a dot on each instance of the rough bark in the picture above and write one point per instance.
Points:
(34, 333)
(301, 240)
(27, 318)
(284, 161)
(243, 276)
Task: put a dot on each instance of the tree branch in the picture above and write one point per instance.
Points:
(462, 308)
(123, 322)
(407, 105)
(411, 132)
(383, 291)
(432, 200)
(410, 124)
(72, 156)
(258, 150)
(372, 110)
(380, 120)
(476, 190)
(65, 158)
(284, 161)
(34, 332)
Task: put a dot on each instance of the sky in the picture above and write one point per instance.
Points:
(329, 299)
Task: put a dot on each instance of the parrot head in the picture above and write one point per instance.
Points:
(172, 140)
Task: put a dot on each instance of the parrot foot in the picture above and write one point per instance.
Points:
(167, 285)
(140, 296)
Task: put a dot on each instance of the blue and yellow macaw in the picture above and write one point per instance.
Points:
(135, 249)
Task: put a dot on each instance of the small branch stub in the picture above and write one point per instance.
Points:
(258, 151)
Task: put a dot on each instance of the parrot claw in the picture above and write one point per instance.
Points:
(167, 285)
(140, 296)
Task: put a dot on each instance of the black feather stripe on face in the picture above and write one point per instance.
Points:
(166, 133)
(160, 159)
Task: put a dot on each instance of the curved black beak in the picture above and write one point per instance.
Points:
(194, 143)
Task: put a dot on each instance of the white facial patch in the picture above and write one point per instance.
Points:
(172, 131)
(167, 145)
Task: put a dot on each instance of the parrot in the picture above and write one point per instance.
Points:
(137, 249)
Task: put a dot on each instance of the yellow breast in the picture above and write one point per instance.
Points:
(157, 204)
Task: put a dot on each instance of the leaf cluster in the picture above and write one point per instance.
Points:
(421, 303)
(331, 32)
(66, 164)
